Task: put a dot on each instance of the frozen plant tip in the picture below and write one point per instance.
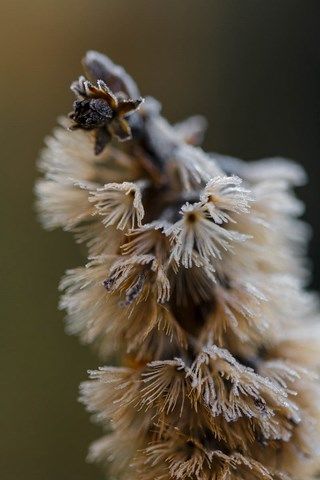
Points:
(97, 108)
(194, 285)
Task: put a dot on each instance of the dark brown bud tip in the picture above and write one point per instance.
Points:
(91, 113)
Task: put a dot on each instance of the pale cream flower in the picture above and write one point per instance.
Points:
(223, 196)
(194, 167)
(196, 232)
(119, 204)
(62, 204)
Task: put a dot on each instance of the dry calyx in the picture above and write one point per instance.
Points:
(194, 283)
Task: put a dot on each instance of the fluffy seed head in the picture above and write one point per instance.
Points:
(194, 285)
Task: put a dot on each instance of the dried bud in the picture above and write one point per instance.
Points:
(91, 113)
(98, 108)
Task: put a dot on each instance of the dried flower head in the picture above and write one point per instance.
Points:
(194, 283)
(100, 109)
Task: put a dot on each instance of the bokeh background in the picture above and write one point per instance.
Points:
(252, 67)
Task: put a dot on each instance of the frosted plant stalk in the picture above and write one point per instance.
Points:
(194, 286)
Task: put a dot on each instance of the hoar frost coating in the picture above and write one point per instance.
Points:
(194, 284)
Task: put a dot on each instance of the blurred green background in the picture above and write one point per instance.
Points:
(252, 67)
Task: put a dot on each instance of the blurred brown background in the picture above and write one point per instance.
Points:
(252, 67)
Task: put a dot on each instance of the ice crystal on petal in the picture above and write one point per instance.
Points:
(223, 196)
(119, 203)
(197, 232)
